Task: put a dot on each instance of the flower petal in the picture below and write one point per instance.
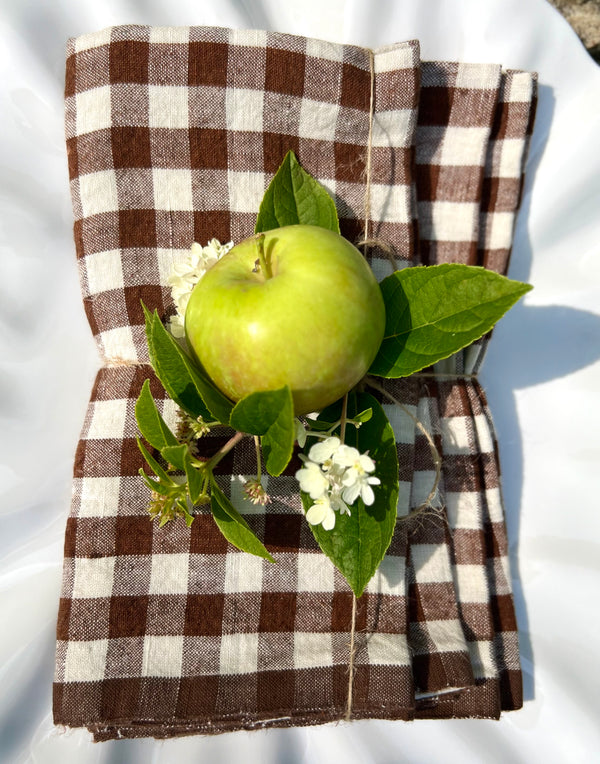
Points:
(329, 520)
(322, 451)
(350, 494)
(317, 513)
(367, 495)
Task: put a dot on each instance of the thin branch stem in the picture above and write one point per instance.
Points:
(258, 459)
(224, 450)
(344, 418)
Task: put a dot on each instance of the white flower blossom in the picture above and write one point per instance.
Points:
(356, 479)
(335, 475)
(187, 273)
(359, 485)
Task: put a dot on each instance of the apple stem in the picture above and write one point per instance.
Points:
(265, 264)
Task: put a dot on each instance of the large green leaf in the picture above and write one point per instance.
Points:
(271, 415)
(152, 426)
(358, 542)
(233, 526)
(170, 368)
(434, 311)
(293, 197)
(183, 379)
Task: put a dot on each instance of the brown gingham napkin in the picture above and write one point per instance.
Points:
(472, 136)
(172, 136)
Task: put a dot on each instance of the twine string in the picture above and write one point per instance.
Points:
(117, 361)
(351, 661)
(366, 243)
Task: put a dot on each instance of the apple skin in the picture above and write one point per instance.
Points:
(315, 325)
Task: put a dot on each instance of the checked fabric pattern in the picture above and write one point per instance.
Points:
(172, 136)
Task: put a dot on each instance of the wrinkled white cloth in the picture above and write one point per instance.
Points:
(546, 349)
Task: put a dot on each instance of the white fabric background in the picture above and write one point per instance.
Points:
(542, 377)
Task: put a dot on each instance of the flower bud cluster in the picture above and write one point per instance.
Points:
(334, 475)
(187, 273)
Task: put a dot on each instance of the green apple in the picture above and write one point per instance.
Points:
(295, 306)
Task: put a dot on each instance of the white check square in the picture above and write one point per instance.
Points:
(447, 636)
(162, 656)
(244, 108)
(243, 573)
(99, 497)
(388, 650)
(93, 110)
(312, 650)
(169, 573)
(389, 577)
(472, 584)
(108, 419)
(85, 660)
(169, 35)
(118, 343)
(392, 128)
(98, 191)
(315, 573)
(172, 189)
(168, 106)
(464, 510)
(239, 653)
(93, 577)
(104, 271)
(455, 435)
(499, 230)
(483, 660)
(463, 146)
(431, 563)
(246, 190)
(318, 120)
(391, 204)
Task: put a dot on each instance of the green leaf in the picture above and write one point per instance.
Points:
(233, 526)
(358, 542)
(152, 426)
(157, 486)
(175, 455)
(293, 197)
(363, 417)
(271, 415)
(317, 424)
(154, 465)
(434, 311)
(182, 378)
(195, 478)
(170, 369)
(179, 456)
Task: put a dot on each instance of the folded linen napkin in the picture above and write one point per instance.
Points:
(172, 136)
(472, 135)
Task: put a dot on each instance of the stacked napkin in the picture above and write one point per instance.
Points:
(173, 134)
